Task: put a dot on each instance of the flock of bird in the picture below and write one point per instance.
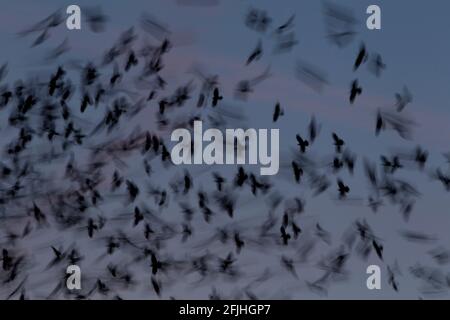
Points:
(76, 189)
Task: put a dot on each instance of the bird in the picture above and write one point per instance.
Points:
(355, 91)
(245, 87)
(155, 264)
(303, 144)
(298, 171)
(278, 112)
(392, 165)
(219, 180)
(95, 19)
(133, 190)
(216, 97)
(285, 237)
(420, 157)
(241, 177)
(238, 242)
(403, 99)
(256, 54)
(156, 286)
(377, 65)
(313, 129)
(296, 230)
(115, 78)
(342, 188)
(378, 249)
(131, 61)
(338, 142)
(443, 178)
(361, 57)
(287, 25)
(379, 124)
(288, 264)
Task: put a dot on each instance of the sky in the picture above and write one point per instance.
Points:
(412, 42)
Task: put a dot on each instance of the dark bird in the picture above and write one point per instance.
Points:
(58, 254)
(241, 177)
(86, 101)
(156, 286)
(187, 232)
(115, 78)
(338, 142)
(301, 143)
(354, 91)
(38, 214)
(132, 61)
(133, 190)
(256, 53)
(287, 25)
(361, 57)
(379, 125)
(378, 249)
(391, 279)
(138, 216)
(298, 171)
(296, 230)
(342, 188)
(187, 183)
(443, 178)
(216, 97)
(313, 129)
(420, 157)
(91, 228)
(155, 264)
(391, 165)
(349, 159)
(219, 180)
(337, 164)
(225, 264)
(257, 185)
(277, 112)
(285, 237)
(238, 242)
(7, 261)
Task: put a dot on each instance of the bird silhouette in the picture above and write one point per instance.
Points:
(355, 91)
(338, 142)
(303, 144)
(277, 112)
(216, 97)
(343, 189)
(361, 57)
(256, 54)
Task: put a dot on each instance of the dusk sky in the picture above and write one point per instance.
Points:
(214, 38)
